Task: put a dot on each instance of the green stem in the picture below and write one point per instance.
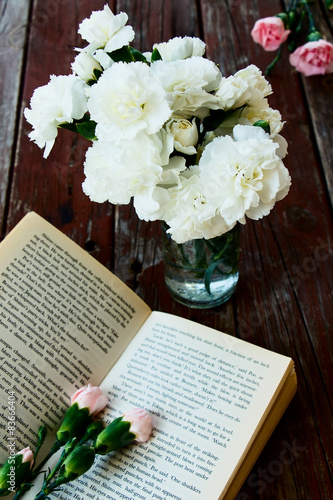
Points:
(22, 490)
(275, 60)
(41, 496)
(66, 451)
(292, 6)
(55, 470)
(56, 446)
(41, 438)
(298, 28)
(310, 16)
(46, 490)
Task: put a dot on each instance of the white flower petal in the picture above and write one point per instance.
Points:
(120, 39)
(116, 172)
(243, 177)
(127, 99)
(60, 101)
(103, 26)
(180, 48)
(189, 84)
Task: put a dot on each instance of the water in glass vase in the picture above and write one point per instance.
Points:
(201, 273)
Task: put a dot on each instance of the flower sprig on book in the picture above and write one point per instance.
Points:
(314, 57)
(80, 438)
(188, 145)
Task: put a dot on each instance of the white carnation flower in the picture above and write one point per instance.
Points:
(105, 30)
(188, 83)
(231, 92)
(258, 86)
(243, 176)
(60, 101)
(247, 86)
(126, 100)
(116, 172)
(190, 215)
(180, 48)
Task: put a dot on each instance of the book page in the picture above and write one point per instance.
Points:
(207, 392)
(64, 320)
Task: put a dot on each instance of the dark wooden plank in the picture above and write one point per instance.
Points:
(13, 32)
(319, 92)
(52, 187)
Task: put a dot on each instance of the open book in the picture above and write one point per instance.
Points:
(66, 321)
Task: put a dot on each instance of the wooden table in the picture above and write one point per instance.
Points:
(284, 298)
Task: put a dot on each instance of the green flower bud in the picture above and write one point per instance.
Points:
(77, 463)
(292, 19)
(42, 432)
(74, 424)
(114, 436)
(314, 36)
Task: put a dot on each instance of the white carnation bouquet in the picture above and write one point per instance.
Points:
(189, 146)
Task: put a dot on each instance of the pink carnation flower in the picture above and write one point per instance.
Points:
(270, 33)
(90, 397)
(313, 58)
(141, 424)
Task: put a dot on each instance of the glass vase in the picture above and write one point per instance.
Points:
(201, 273)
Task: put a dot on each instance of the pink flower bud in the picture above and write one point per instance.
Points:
(141, 424)
(270, 33)
(28, 456)
(90, 397)
(313, 58)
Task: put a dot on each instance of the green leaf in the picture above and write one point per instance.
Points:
(217, 117)
(87, 129)
(97, 73)
(208, 275)
(263, 124)
(214, 120)
(137, 55)
(69, 126)
(156, 56)
(124, 54)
